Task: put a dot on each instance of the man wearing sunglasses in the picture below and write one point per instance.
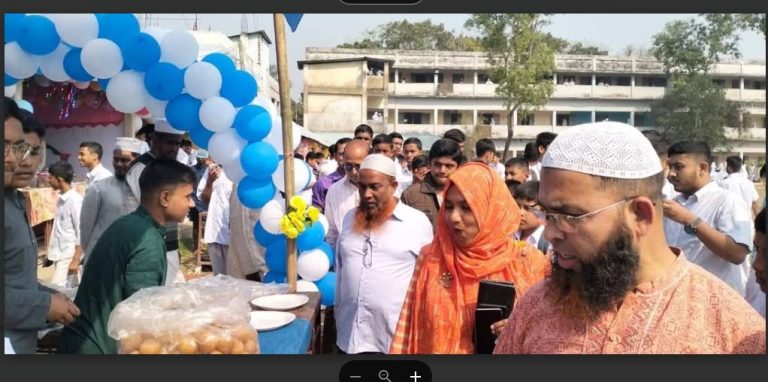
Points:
(616, 286)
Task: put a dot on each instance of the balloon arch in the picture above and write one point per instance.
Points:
(156, 72)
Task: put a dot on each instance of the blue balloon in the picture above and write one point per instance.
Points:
(183, 111)
(311, 238)
(74, 67)
(141, 51)
(254, 192)
(325, 247)
(274, 277)
(11, 26)
(118, 27)
(253, 123)
(263, 237)
(37, 35)
(103, 82)
(165, 82)
(327, 287)
(221, 61)
(259, 159)
(8, 80)
(274, 256)
(200, 136)
(239, 87)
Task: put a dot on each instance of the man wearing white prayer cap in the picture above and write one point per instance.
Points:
(164, 143)
(616, 286)
(107, 200)
(376, 253)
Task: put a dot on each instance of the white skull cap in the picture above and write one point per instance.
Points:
(607, 149)
(380, 163)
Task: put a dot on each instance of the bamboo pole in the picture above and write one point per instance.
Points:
(285, 111)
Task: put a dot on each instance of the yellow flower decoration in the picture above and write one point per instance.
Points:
(313, 213)
(292, 233)
(298, 203)
(299, 216)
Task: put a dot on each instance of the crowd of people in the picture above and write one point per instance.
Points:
(615, 241)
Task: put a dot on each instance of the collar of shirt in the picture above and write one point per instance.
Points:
(669, 278)
(93, 172)
(428, 186)
(335, 176)
(141, 211)
(700, 194)
(65, 197)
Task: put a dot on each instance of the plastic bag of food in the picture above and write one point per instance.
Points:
(245, 289)
(184, 319)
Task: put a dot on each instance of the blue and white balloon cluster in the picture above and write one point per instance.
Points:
(159, 70)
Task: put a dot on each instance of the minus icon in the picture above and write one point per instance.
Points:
(355, 377)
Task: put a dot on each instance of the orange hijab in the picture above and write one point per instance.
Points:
(438, 318)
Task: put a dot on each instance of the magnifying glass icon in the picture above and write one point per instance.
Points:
(384, 376)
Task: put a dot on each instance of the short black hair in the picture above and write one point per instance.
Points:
(528, 190)
(314, 155)
(693, 148)
(661, 146)
(382, 138)
(343, 141)
(186, 143)
(10, 109)
(148, 130)
(512, 186)
(419, 161)
(734, 163)
(455, 135)
(164, 174)
(530, 153)
(62, 170)
(363, 128)
(395, 134)
(335, 147)
(446, 148)
(484, 146)
(30, 124)
(760, 222)
(413, 141)
(93, 147)
(545, 139)
(517, 162)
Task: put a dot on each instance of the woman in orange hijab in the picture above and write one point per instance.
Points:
(474, 242)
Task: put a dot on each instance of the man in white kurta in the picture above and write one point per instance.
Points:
(343, 195)
(215, 191)
(65, 235)
(738, 184)
(374, 265)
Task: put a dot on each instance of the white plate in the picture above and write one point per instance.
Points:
(264, 320)
(280, 301)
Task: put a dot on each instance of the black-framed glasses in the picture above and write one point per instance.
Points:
(350, 166)
(569, 223)
(367, 252)
(20, 150)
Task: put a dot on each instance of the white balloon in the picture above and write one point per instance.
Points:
(136, 123)
(202, 80)
(270, 216)
(265, 103)
(76, 29)
(312, 265)
(18, 63)
(226, 146)
(302, 175)
(275, 136)
(324, 222)
(234, 171)
(157, 33)
(307, 196)
(306, 286)
(10, 91)
(52, 64)
(126, 93)
(155, 106)
(179, 48)
(82, 85)
(102, 58)
(217, 113)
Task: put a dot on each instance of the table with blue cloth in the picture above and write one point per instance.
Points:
(298, 337)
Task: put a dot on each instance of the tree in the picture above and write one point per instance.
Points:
(579, 48)
(422, 35)
(521, 61)
(741, 21)
(637, 51)
(298, 110)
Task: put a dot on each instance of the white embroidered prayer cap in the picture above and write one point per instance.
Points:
(608, 149)
(133, 145)
(380, 163)
(162, 126)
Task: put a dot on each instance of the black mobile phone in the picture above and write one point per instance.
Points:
(485, 340)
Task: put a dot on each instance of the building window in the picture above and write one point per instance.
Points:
(563, 119)
(585, 81)
(458, 78)
(623, 81)
(525, 119)
(422, 78)
(660, 82)
(415, 118)
(736, 84)
(483, 78)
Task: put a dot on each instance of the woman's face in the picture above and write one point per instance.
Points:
(459, 218)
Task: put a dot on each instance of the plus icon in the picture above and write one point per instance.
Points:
(415, 377)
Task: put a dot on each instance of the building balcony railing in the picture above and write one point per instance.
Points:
(748, 134)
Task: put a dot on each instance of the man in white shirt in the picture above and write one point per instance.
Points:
(90, 157)
(375, 256)
(382, 144)
(214, 190)
(343, 195)
(712, 226)
(411, 149)
(64, 245)
(737, 183)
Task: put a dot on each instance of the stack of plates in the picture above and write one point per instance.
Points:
(275, 313)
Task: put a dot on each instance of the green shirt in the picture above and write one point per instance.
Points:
(129, 256)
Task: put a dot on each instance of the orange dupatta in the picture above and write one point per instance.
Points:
(437, 319)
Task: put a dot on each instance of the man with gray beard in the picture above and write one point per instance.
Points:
(616, 286)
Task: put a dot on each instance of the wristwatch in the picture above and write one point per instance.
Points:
(691, 228)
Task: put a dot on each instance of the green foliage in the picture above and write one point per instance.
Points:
(422, 35)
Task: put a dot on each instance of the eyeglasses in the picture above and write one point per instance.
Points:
(568, 223)
(349, 166)
(367, 252)
(20, 150)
